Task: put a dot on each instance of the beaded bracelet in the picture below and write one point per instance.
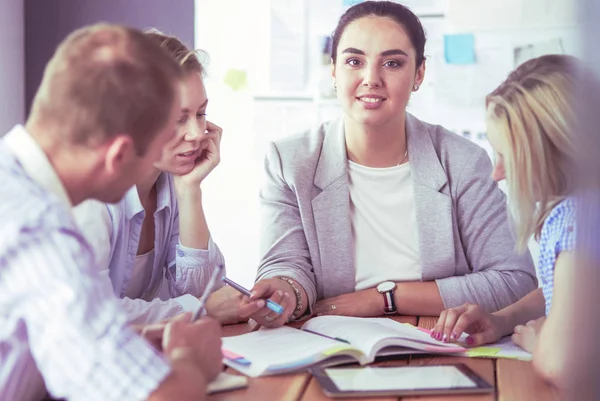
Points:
(298, 309)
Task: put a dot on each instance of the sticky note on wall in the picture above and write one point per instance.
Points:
(236, 79)
(459, 49)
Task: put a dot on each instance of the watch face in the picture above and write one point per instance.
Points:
(386, 286)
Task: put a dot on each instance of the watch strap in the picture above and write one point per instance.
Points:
(389, 303)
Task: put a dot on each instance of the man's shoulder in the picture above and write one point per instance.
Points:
(26, 205)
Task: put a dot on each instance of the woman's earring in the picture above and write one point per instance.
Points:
(416, 87)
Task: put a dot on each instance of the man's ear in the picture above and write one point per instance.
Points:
(120, 151)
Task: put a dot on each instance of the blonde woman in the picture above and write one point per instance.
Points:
(529, 119)
(154, 246)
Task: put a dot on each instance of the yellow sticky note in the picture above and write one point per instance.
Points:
(333, 351)
(236, 79)
(483, 352)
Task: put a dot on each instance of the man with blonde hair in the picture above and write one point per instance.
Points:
(107, 104)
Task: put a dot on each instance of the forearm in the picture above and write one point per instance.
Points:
(193, 229)
(566, 353)
(418, 298)
(530, 307)
(491, 289)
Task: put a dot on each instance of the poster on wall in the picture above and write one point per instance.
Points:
(526, 52)
(288, 58)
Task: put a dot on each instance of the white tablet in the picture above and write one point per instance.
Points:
(399, 380)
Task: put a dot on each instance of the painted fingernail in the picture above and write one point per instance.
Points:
(280, 293)
(433, 334)
(453, 336)
(285, 294)
(445, 338)
(439, 336)
(470, 341)
(260, 303)
(253, 294)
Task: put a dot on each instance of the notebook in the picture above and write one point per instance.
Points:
(226, 382)
(335, 340)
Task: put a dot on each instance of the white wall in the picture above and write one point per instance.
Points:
(233, 32)
(12, 66)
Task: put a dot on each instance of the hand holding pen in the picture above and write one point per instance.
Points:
(278, 293)
(274, 306)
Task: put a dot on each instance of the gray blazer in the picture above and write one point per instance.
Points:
(465, 243)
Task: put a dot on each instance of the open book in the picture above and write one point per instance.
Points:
(334, 340)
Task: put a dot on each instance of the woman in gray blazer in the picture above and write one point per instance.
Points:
(378, 212)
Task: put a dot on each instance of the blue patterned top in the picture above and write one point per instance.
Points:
(558, 235)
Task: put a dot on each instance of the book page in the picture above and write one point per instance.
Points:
(283, 349)
(371, 334)
(505, 348)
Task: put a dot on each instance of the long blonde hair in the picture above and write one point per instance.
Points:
(534, 110)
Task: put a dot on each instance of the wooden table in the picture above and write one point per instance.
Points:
(514, 380)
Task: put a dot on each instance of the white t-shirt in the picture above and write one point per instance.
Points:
(384, 225)
(141, 275)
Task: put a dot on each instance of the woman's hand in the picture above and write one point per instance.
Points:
(276, 290)
(526, 336)
(483, 327)
(209, 157)
(225, 305)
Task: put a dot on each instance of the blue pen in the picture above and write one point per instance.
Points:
(274, 306)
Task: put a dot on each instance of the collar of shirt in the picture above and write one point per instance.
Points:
(35, 162)
(133, 205)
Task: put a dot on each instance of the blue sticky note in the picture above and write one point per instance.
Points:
(459, 49)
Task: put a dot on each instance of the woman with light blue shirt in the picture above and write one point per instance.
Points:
(531, 119)
(155, 245)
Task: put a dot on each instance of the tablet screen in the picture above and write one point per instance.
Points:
(399, 378)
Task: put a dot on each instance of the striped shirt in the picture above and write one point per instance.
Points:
(55, 323)
(558, 235)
